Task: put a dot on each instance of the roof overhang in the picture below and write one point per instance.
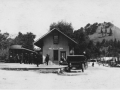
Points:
(19, 47)
(16, 47)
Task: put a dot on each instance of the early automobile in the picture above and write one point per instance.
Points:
(76, 61)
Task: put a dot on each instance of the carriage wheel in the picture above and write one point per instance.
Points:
(69, 69)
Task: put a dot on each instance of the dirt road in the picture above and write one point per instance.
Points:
(97, 77)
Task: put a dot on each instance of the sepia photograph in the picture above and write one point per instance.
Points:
(59, 44)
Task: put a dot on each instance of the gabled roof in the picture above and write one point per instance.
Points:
(51, 32)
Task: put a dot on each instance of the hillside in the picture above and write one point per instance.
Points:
(97, 36)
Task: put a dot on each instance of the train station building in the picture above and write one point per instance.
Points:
(56, 44)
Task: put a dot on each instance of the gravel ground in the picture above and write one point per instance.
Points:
(97, 77)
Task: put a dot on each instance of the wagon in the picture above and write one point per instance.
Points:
(76, 61)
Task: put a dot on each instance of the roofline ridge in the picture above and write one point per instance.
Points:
(58, 31)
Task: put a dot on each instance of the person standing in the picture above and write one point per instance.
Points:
(93, 64)
(62, 60)
(37, 58)
(47, 59)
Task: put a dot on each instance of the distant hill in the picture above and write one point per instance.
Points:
(98, 36)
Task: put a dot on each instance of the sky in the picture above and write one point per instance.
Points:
(36, 16)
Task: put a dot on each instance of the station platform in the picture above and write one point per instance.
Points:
(42, 67)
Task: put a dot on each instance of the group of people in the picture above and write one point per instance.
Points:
(31, 58)
(47, 60)
(26, 58)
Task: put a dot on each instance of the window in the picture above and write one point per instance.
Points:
(55, 38)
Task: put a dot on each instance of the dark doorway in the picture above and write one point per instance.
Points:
(55, 55)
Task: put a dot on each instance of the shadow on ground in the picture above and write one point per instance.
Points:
(15, 69)
(72, 73)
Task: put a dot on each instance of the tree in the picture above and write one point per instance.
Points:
(110, 34)
(64, 27)
(26, 40)
(115, 42)
(5, 42)
(87, 25)
(105, 32)
(98, 44)
(18, 39)
(103, 42)
(101, 31)
(93, 49)
(91, 28)
(81, 37)
(94, 28)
